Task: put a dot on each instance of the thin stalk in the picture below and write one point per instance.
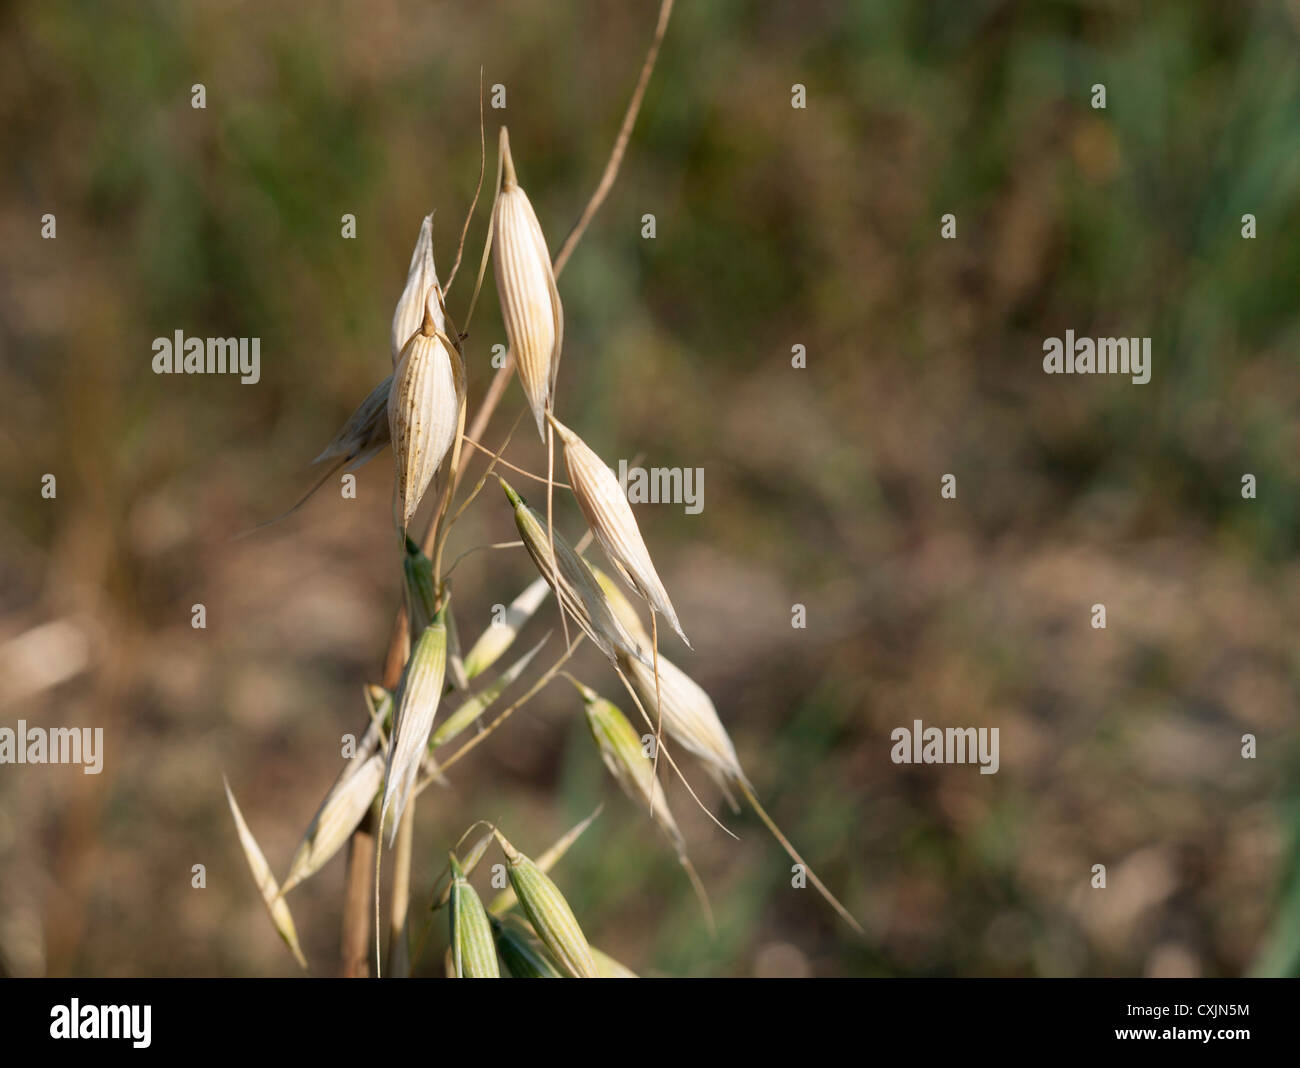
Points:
(399, 953)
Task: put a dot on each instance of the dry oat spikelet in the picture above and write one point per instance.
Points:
(266, 884)
(549, 914)
(421, 276)
(689, 715)
(530, 302)
(579, 593)
(424, 410)
(365, 433)
(343, 808)
(417, 705)
(610, 518)
(690, 718)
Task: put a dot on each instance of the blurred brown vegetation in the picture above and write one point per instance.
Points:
(776, 227)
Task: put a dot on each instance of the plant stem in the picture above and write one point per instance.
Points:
(399, 953)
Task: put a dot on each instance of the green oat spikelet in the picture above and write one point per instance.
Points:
(473, 950)
(523, 955)
(549, 913)
(506, 900)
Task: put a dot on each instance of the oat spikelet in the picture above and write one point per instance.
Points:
(474, 953)
(689, 716)
(530, 302)
(610, 518)
(417, 705)
(408, 317)
(498, 637)
(343, 808)
(507, 900)
(691, 720)
(578, 591)
(524, 956)
(549, 914)
(474, 706)
(623, 754)
(266, 884)
(424, 410)
(365, 433)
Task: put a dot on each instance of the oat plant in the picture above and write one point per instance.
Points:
(418, 720)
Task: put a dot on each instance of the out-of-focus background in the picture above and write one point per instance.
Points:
(776, 227)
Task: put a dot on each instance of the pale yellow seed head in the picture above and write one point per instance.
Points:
(424, 408)
(338, 816)
(689, 716)
(266, 884)
(605, 507)
(530, 301)
(624, 611)
(420, 278)
(498, 637)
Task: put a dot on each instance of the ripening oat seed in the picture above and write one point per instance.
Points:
(498, 637)
(622, 753)
(473, 949)
(524, 956)
(417, 705)
(421, 410)
(549, 913)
